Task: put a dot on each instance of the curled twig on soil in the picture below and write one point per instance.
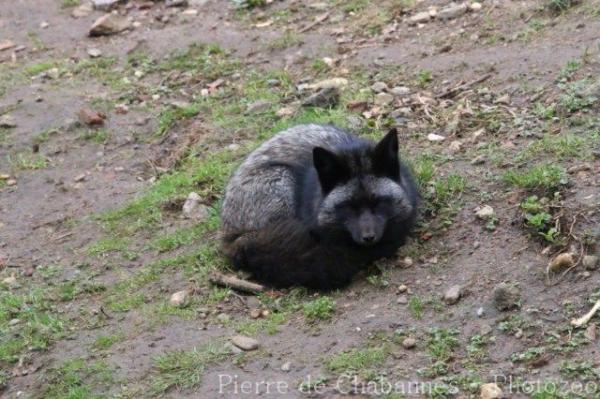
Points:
(454, 90)
(583, 320)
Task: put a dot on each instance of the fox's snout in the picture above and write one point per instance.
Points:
(369, 229)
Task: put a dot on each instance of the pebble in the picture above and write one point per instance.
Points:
(89, 117)
(258, 107)
(383, 99)
(506, 296)
(504, 99)
(419, 18)
(14, 322)
(44, 25)
(176, 3)
(590, 262)
(435, 137)
(402, 300)
(11, 280)
(192, 12)
(193, 209)
(180, 299)
(223, 317)
(491, 391)
(590, 332)
(451, 12)
(400, 91)
(478, 160)
(324, 98)
(485, 212)
(255, 313)
(402, 288)
(561, 261)
(105, 5)
(475, 6)
(287, 366)
(379, 87)
(480, 312)
(109, 24)
(452, 295)
(7, 122)
(409, 343)
(286, 111)
(245, 343)
(337, 83)
(94, 52)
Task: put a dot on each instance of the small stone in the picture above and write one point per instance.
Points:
(109, 24)
(105, 5)
(451, 12)
(83, 10)
(400, 91)
(6, 44)
(258, 107)
(504, 99)
(14, 322)
(506, 296)
(245, 343)
(561, 261)
(180, 299)
(452, 295)
(28, 272)
(402, 288)
(7, 122)
(435, 137)
(90, 118)
(79, 178)
(192, 12)
(176, 3)
(233, 349)
(255, 313)
(44, 24)
(337, 83)
(590, 262)
(10, 281)
(286, 111)
(11, 182)
(480, 312)
(419, 18)
(475, 6)
(402, 300)
(94, 52)
(409, 343)
(287, 366)
(193, 208)
(455, 146)
(223, 317)
(378, 87)
(383, 99)
(324, 98)
(590, 332)
(485, 212)
(490, 391)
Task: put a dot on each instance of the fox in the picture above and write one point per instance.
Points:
(314, 205)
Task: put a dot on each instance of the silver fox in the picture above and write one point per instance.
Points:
(314, 204)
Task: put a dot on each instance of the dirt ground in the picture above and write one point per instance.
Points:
(103, 138)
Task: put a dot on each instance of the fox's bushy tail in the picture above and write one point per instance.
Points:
(286, 253)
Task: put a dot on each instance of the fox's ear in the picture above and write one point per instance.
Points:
(385, 160)
(330, 168)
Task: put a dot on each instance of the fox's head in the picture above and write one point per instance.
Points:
(362, 191)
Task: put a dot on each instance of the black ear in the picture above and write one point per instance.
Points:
(385, 159)
(330, 168)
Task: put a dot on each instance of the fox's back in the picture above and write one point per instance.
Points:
(265, 187)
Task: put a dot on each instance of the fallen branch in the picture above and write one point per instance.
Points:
(451, 92)
(320, 19)
(583, 320)
(235, 283)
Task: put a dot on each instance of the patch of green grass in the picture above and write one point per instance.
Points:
(208, 61)
(104, 342)
(183, 369)
(75, 379)
(99, 136)
(70, 3)
(186, 235)
(26, 161)
(424, 77)
(123, 302)
(36, 69)
(106, 245)
(441, 343)
(269, 324)
(287, 40)
(559, 6)
(537, 216)
(321, 308)
(578, 96)
(569, 69)
(249, 4)
(528, 355)
(543, 111)
(544, 177)
(447, 189)
(38, 326)
(171, 115)
(416, 307)
(355, 6)
(358, 360)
